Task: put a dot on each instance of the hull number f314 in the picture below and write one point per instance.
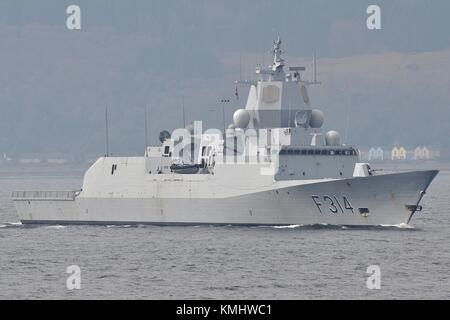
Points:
(333, 204)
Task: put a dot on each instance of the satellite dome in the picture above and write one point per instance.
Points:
(332, 138)
(231, 126)
(241, 118)
(317, 118)
(164, 135)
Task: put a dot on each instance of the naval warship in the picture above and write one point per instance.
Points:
(273, 165)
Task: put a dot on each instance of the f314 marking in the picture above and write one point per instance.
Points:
(333, 204)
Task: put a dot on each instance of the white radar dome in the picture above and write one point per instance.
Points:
(317, 119)
(332, 138)
(241, 118)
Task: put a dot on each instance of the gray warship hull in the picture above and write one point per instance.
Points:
(388, 199)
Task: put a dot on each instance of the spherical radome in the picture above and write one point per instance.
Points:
(241, 118)
(332, 138)
(317, 118)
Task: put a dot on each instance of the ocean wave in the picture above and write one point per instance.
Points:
(57, 227)
(11, 225)
(400, 226)
(16, 224)
(293, 226)
(325, 226)
(120, 226)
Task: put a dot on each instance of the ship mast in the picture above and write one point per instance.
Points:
(278, 62)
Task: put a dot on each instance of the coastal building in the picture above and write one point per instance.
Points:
(376, 154)
(398, 153)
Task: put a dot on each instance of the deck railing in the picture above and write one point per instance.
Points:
(45, 195)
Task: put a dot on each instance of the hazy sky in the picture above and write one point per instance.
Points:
(391, 85)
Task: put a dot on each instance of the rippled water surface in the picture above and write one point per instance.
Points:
(147, 262)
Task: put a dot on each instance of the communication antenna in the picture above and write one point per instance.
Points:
(289, 115)
(224, 135)
(184, 112)
(314, 66)
(107, 131)
(223, 101)
(146, 128)
(240, 66)
(347, 125)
